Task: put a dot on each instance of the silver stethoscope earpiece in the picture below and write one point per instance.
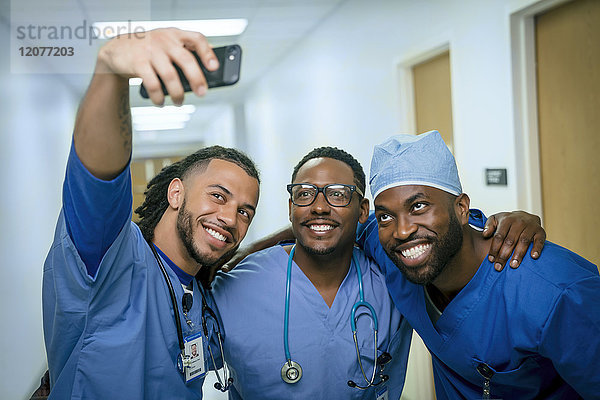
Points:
(291, 371)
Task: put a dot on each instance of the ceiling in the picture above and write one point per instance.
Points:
(274, 27)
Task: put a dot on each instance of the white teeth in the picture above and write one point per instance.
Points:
(321, 228)
(215, 234)
(416, 251)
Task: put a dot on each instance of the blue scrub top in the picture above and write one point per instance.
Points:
(251, 302)
(109, 325)
(537, 328)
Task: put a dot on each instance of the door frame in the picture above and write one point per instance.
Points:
(525, 104)
(404, 76)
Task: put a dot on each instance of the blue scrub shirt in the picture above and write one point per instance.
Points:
(108, 321)
(251, 302)
(536, 328)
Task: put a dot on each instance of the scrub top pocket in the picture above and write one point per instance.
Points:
(522, 382)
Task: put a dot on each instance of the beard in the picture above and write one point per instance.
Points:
(316, 250)
(443, 249)
(185, 231)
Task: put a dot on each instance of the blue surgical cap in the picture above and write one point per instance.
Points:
(414, 160)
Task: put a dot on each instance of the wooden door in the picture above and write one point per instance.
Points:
(433, 96)
(568, 82)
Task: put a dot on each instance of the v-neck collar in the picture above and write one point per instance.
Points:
(441, 333)
(302, 284)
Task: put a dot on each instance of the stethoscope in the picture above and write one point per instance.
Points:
(223, 383)
(291, 371)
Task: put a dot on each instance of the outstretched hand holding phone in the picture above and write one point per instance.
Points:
(229, 57)
(102, 134)
(152, 55)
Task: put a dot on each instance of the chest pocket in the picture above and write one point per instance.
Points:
(524, 381)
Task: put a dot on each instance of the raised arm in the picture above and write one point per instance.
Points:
(102, 135)
(97, 189)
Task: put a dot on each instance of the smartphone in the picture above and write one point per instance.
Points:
(230, 58)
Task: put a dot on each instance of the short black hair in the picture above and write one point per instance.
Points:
(155, 202)
(336, 154)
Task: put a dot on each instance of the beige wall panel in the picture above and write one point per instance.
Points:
(568, 62)
(138, 184)
(433, 99)
(142, 171)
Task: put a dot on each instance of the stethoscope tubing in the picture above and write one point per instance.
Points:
(223, 383)
(360, 303)
(286, 318)
(173, 298)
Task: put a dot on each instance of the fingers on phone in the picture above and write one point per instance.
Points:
(165, 69)
(197, 42)
(188, 64)
(152, 84)
(176, 48)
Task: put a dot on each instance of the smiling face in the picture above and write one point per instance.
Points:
(218, 205)
(320, 228)
(419, 230)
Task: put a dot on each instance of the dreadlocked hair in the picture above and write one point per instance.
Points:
(155, 202)
(336, 154)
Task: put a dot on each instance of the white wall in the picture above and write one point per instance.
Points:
(37, 119)
(340, 87)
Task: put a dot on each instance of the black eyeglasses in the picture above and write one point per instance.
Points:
(336, 194)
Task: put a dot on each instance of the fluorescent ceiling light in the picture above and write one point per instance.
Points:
(208, 27)
(158, 119)
(159, 126)
(163, 118)
(185, 109)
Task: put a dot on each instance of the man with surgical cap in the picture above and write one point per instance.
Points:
(528, 333)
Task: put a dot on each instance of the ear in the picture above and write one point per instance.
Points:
(461, 206)
(364, 211)
(175, 193)
(290, 205)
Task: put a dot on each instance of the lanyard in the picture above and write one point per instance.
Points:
(223, 383)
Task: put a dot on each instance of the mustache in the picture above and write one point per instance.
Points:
(321, 220)
(413, 237)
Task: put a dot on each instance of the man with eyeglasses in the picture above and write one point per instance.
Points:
(296, 322)
(324, 287)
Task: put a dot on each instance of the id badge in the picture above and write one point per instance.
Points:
(194, 366)
(382, 393)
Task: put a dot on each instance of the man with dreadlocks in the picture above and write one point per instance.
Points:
(119, 320)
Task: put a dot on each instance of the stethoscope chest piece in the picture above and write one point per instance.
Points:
(291, 372)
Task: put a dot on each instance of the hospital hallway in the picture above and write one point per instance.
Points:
(513, 86)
